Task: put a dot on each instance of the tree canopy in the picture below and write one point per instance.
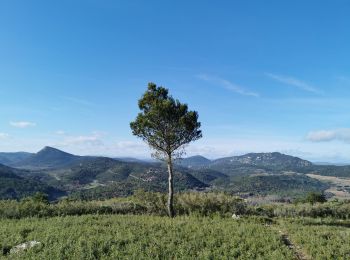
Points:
(165, 123)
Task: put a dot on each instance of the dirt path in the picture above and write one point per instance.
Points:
(299, 255)
(295, 249)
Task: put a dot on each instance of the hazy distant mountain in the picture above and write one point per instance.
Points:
(13, 158)
(252, 163)
(331, 164)
(131, 159)
(275, 160)
(193, 162)
(48, 157)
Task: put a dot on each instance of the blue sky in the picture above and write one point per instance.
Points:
(263, 75)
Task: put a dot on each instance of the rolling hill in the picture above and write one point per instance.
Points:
(13, 158)
(14, 186)
(102, 177)
(48, 157)
(268, 160)
(108, 176)
(197, 161)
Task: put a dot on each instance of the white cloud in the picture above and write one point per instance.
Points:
(3, 135)
(22, 124)
(60, 132)
(342, 134)
(294, 82)
(91, 140)
(228, 85)
(96, 144)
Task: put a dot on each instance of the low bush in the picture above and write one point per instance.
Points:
(192, 203)
(153, 203)
(335, 209)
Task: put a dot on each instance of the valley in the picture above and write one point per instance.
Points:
(60, 174)
(339, 186)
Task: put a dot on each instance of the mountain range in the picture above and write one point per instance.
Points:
(58, 174)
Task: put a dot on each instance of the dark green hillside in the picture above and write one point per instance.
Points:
(194, 162)
(291, 184)
(153, 180)
(208, 176)
(13, 186)
(330, 170)
(103, 177)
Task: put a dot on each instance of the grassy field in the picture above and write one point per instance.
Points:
(143, 237)
(152, 237)
(320, 238)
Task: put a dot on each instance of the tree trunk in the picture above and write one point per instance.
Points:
(171, 211)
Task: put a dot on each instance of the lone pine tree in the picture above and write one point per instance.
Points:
(167, 126)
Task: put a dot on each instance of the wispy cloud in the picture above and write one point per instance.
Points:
(294, 82)
(227, 85)
(4, 135)
(22, 124)
(342, 134)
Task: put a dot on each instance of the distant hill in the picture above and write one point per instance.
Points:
(272, 160)
(248, 162)
(48, 157)
(209, 176)
(285, 185)
(331, 164)
(133, 160)
(252, 163)
(197, 161)
(13, 186)
(105, 177)
(87, 177)
(13, 158)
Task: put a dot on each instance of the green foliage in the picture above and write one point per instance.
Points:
(314, 197)
(67, 230)
(165, 123)
(14, 186)
(282, 184)
(320, 238)
(41, 197)
(206, 204)
(142, 237)
(193, 203)
(337, 209)
(187, 203)
(38, 206)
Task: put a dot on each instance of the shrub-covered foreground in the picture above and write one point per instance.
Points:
(320, 238)
(142, 237)
(151, 203)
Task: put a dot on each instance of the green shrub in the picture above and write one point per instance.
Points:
(312, 198)
(205, 204)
